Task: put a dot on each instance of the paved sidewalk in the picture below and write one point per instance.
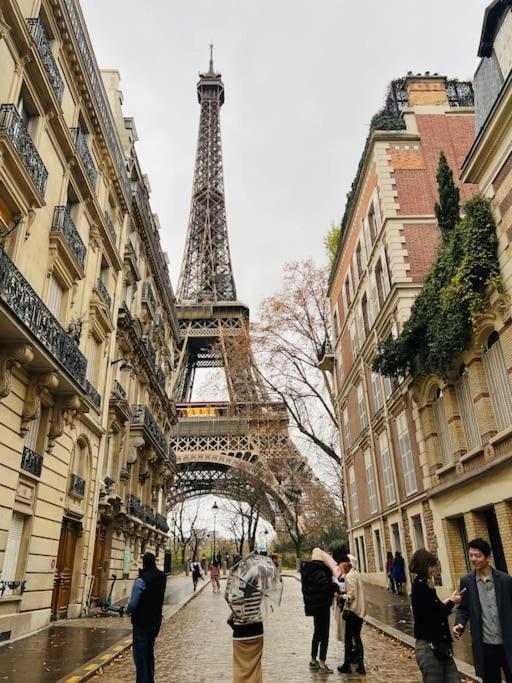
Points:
(195, 647)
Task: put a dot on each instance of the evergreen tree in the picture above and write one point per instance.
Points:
(447, 209)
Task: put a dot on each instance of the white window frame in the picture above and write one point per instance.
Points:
(370, 481)
(378, 400)
(387, 469)
(443, 435)
(55, 297)
(498, 382)
(354, 341)
(354, 504)
(404, 441)
(361, 404)
(467, 411)
(347, 440)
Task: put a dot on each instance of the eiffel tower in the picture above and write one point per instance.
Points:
(248, 432)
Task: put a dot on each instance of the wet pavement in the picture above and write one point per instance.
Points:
(395, 610)
(54, 652)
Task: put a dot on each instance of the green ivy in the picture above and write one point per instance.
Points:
(454, 294)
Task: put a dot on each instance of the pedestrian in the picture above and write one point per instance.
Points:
(145, 608)
(353, 614)
(228, 561)
(318, 590)
(204, 564)
(215, 576)
(398, 573)
(196, 574)
(433, 648)
(339, 604)
(389, 568)
(487, 605)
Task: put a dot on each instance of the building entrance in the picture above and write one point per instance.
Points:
(64, 569)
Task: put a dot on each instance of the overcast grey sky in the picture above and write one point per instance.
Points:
(302, 81)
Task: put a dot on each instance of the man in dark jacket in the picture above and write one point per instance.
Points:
(487, 605)
(145, 608)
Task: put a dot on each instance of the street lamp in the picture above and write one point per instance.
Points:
(215, 508)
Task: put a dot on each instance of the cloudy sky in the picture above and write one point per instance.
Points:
(302, 81)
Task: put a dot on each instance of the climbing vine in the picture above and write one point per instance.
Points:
(454, 294)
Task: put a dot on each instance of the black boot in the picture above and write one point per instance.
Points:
(360, 659)
(345, 667)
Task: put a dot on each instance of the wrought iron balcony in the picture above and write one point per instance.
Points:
(119, 389)
(142, 417)
(31, 462)
(100, 98)
(160, 377)
(28, 307)
(92, 394)
(42, 44)
(13, 127)
(103, 292)
(12, 586)
(63, 223)
(161, 523)
(135, 507)
(149, 515)
(77, 486)
(172, 455)
(85, 155)
(150, 350)
(110, 228)
(149, 297)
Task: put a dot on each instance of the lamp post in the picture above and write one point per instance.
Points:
(215, 508)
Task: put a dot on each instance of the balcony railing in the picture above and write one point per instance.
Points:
(85, 155)
(149, 297)
(142, 417)
(161, 523)
(63, 223)
(12, 125)
(97, 87)
(149, 515)
(160, 377)
(135, 507)
(77, 486)
(105, 296)
(119, 389)
(110, 228)
(93, 394)
(42, 44)
(150, 350)
(31, 462)
(28, 307)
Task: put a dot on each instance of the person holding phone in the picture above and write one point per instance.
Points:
(487, 605)
(433, 648)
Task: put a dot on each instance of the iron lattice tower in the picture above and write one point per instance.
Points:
(206, 273)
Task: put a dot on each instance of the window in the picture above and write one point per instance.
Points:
(377, 391)
(367, 238)
(395, 532)
(354, 341)
(361, 328)
(364, 313)
(363, 420)
(370, 480)
(55, 297)
(361, 553)
(80, 459)
(442, 427)
(93, 356)
(27, 111)
(346, 429)
(11, 570)
(388, 386)
(498, 381)
(128, 294)
(353, 495)
(374, 298)
(463, 537)
(387, 469)
(372, 223)
(335, 324)
(355, 270)
(376, 211)
(467, 410)
(32, 433)
(404, 442)
(419, 540)
(378, 550)
(384, 274)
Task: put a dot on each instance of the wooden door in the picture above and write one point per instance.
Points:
(98, 561)
(64, 569)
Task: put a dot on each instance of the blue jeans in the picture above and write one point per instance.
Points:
(143, 654)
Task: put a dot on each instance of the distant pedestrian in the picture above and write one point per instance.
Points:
(487, 605)
(318, 590)
(145, 608)
(353, 614)
(215, 576)
(433, 646)
(196, 574)
(389, 568)
(204, 564)
(228, 561)
(398, 573)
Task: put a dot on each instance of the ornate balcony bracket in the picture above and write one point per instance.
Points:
(64, 414)
(38, 386)
(12, 357)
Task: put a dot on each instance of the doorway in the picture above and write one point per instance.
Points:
(64, 569)
(98, 564)
(493, 530)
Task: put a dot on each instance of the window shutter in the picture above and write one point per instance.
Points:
(12, 549)
(499, 385)
(386, 281)
(467, 410)
(55, 296)
(370, 480)
(377, 213)
(387, 469)
(33, 431)
(442, 430)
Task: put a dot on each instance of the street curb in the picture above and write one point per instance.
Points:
(91, 668)
(464, 668)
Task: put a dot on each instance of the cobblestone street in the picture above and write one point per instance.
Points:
(194, 646)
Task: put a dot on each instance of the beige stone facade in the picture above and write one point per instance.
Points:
(389, 239)
(88, 329)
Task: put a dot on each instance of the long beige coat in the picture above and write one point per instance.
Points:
(355, 593)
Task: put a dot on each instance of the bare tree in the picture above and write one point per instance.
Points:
(182, 524)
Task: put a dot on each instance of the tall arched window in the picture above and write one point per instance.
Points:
(467, 409)
(498, 381)
(442, 427)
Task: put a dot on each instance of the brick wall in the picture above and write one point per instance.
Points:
(370, 550)
(421, 242)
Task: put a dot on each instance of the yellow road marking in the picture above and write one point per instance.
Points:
(90, 667)
(107, 656)
(73, 679)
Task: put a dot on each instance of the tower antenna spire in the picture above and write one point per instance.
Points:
(211, 58)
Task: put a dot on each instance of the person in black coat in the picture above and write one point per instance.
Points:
(487, 605)
(433, 648)
(318, 589)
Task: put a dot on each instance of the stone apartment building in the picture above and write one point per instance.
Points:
(388, 241)
(88, 329)
(465, 421)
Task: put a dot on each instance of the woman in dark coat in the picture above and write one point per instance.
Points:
(433, 648)
(318, 589)
(398, 573)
